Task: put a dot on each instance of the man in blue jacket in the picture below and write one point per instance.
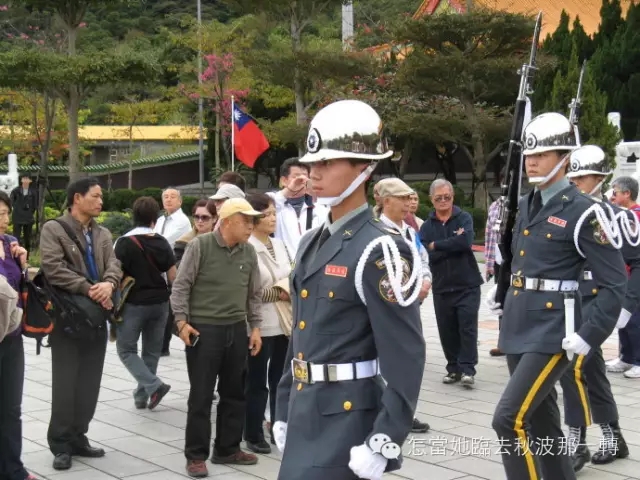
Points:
(448, 235)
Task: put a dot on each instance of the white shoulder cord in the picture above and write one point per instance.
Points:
(608, 220)
(395, 269)
(631, 234)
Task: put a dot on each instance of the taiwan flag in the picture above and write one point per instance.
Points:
(249, 142)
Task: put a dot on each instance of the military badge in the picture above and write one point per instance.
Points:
(313, 141)
(335, 271)
(598, 233)
(531, 141)
(384, 285)
(557, 221)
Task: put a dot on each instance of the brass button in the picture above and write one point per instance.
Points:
(347, 405)
(515, 292)
(302, 325)
(304, 293)
(548, 235)
(526, 233)
(549, 305)
(594, 291)
(330, 294)
(299, 387)
(300, 356)
(522, 253)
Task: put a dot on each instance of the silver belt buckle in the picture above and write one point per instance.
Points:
(330, 373)
(535, 284)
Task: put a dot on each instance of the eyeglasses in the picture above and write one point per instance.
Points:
(442, 198)
(202, 218)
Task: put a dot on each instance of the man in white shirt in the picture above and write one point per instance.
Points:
(394, 201)
(172, 225)
(296, 212)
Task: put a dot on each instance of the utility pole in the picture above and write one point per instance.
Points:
(200, 104)
(347, 25)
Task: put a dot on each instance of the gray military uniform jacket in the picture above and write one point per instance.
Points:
(331, 325)
(543, 248)
(631, 257)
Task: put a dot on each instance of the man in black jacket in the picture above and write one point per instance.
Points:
(25, 202)
(448, 234)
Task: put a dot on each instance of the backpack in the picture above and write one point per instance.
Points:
(37, 305)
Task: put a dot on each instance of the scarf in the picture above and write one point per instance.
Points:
(410, 220)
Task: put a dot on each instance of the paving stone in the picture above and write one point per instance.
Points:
(147, 445)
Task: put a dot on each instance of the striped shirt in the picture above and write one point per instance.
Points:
(491, 236)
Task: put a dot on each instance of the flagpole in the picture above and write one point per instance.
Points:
(233, 143)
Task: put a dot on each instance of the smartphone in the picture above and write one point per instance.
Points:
(193, 339)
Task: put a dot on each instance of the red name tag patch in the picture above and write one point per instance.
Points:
(557, 221)
(335, 271)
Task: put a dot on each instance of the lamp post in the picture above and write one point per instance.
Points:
(200, 104)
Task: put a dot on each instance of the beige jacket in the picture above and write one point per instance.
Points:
(61, 260)
(10, 313)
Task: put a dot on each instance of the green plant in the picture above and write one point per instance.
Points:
(118, 223)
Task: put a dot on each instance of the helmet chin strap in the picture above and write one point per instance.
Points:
(596, 189)
(359, 180)
(539, 181)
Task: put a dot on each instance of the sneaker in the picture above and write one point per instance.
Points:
(158, 395)
(238, 458)
(197, 469)
(618, 366)
(633, 372)
(450, 378)
(467, 381)
(141, 404)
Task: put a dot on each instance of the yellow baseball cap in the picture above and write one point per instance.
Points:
(237, 205)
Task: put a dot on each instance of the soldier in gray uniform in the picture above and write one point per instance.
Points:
(586, 388)
(556, 230)
(335, 418)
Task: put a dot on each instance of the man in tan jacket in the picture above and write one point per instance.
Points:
(77, 364)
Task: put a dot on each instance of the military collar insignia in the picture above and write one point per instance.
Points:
(564, 197)
(347, 233)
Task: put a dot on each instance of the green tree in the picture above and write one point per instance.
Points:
(611, 21)
(71, 13)
(300, 50)
(465, 67)
(593, 124)
(616, 66)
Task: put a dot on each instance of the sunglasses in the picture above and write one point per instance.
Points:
(202, 218)
(442, 198)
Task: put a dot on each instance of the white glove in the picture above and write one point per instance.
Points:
(490, 301)
(575, 343)
(280, 435)
(623, 319)
(365, 463)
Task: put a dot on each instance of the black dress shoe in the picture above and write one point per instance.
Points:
(62, 461)
(419, 427)
(89, 452)
(259, 447)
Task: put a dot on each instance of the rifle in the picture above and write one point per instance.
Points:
(510, 191)
(576, 103)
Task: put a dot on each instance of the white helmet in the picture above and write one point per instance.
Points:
(548, 132)
(346, 129)
(588, 160)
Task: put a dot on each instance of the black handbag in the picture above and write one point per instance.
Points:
(84, 316)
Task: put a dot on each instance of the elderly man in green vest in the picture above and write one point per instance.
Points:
(215, 295)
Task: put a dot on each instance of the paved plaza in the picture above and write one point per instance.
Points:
(145, 445)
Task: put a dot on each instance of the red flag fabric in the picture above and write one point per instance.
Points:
(248, 140)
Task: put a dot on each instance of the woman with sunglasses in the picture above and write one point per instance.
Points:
(204, 219)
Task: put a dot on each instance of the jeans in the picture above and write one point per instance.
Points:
(273, 353)
(11, 383)
(148, 321)
(629, 338)
(220, 353)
